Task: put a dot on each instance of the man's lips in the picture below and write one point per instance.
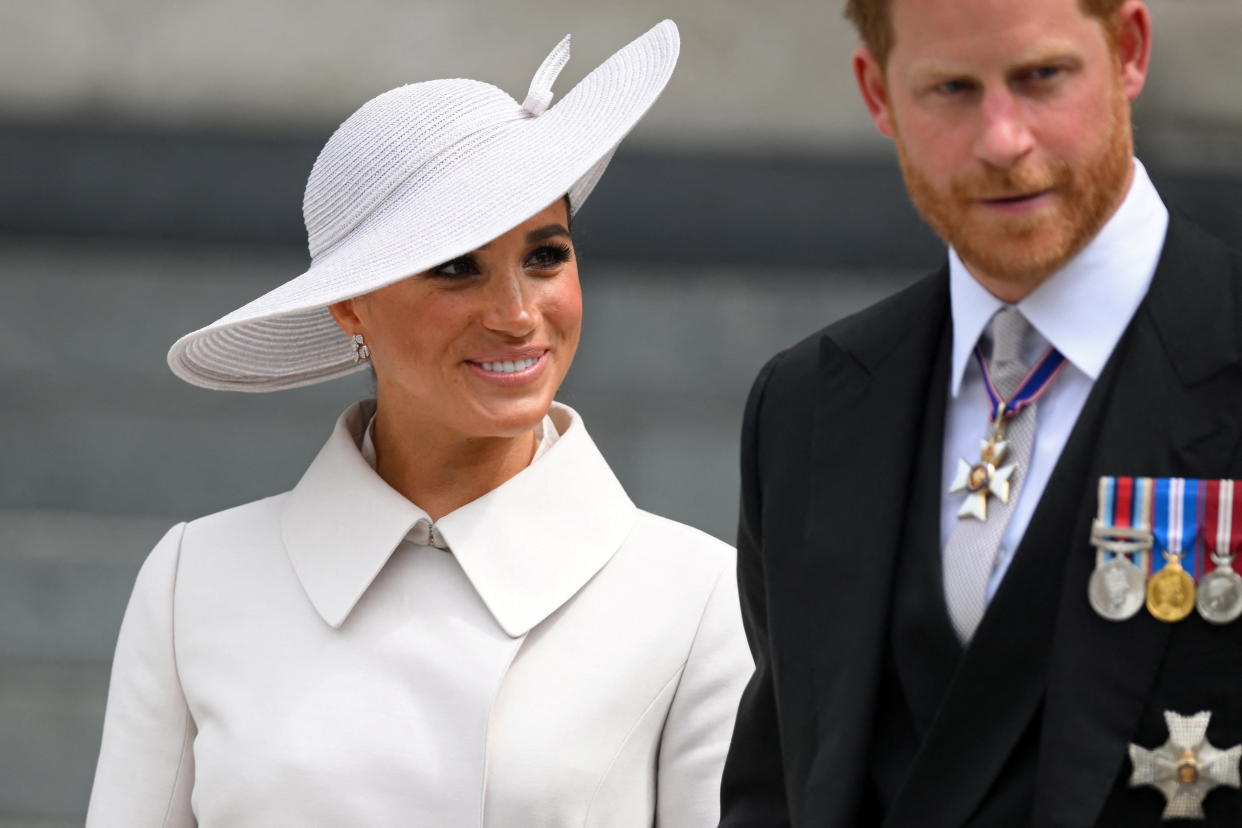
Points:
(1017, 203)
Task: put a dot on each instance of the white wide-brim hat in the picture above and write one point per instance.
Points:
(416, 177)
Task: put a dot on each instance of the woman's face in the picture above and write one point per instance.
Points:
(478, 346)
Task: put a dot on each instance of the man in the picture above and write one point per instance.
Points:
(926, 654)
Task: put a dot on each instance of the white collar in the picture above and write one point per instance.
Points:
(1084, 307)
(527, 546)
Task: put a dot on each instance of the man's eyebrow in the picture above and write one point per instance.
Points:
(1051, 53)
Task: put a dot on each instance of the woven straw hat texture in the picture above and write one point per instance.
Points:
(416, 177)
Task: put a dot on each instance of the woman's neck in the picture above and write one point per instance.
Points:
(441, 471)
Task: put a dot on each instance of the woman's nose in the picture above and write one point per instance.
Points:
(510, 304)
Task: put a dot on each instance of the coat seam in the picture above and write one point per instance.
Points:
(172, 795)
(172, 639)
(487, 732)
(628, 736)
(674, 680)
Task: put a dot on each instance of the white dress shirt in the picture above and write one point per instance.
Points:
(1082, 310)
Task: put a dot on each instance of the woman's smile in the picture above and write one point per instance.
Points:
(520, 368)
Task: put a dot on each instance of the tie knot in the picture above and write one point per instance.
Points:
(1009, 330)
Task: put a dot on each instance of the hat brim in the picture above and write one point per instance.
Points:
(502, 176)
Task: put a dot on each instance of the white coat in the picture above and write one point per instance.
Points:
(574, 661)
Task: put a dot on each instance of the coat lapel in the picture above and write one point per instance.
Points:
(1153, 410)
(531, 543)
(527, 546)
(872, 377)
(341, 523)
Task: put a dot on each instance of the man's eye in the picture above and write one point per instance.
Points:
(461, 266)
(1041, 73)
(953, 87)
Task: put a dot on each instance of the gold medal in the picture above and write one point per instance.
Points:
(1171, 592)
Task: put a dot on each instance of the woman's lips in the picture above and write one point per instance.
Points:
(510, 371)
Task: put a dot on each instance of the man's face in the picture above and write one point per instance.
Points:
(1011, 120)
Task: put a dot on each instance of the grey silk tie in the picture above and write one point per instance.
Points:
(971, 551)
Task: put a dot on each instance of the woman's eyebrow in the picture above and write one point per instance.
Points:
(547, 232)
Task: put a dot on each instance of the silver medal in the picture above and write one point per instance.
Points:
(1117, 589)
(1219, 598)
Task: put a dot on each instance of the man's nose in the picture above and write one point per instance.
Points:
(1005, 134)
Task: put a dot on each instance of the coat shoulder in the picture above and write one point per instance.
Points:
(680, 546)
(869, 329)
(236, 535)
(673, 560)
(861, 339)
(244, 519)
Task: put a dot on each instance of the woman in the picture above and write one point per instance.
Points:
(457, 617)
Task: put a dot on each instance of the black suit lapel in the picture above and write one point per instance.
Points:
(926, 650)
(1174, 412)
(874, 383)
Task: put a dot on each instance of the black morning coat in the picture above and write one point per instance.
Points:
(864, 709)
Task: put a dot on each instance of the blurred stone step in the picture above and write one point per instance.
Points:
(65, 578)
(35, 821)
(50, 721)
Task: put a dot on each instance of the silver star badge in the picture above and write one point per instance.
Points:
(1185, 767)
(982, 479)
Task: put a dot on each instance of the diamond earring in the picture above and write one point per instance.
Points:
(361, 351)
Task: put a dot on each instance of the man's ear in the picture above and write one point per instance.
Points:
(1132, 32)
(871, 83)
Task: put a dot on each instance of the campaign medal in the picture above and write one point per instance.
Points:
(988, 477)
(1219, 597)
(1186, 767)
(1171, 590)
(1122, 528)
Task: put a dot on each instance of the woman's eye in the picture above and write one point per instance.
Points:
(461, 266)
(550, 255)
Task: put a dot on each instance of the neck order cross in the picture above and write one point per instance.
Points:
(989, 476)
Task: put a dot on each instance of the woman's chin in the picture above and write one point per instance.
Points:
(510, 420)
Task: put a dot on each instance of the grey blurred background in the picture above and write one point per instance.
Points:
(152, 159)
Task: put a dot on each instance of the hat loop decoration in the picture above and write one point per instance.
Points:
(539, 97)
